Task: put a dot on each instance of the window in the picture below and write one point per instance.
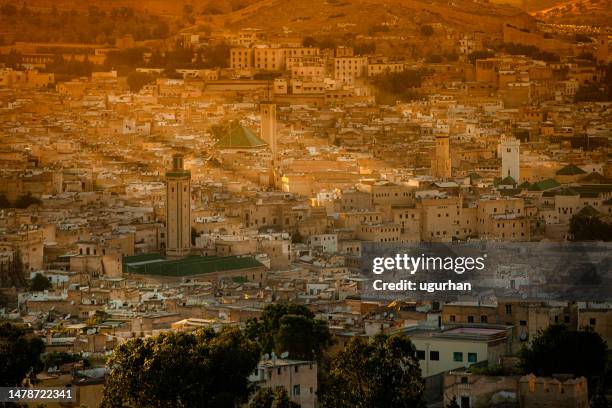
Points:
(464, 380)
(457, 356)
(452, 318)
(592, 321)
(523, 323)
(470, 319)
(465, 402)
(296, 390)
(566, 319)
(297, 368)
(483, 319)
(508, 309)
(434, 355)
(472, 357)
(420, 354)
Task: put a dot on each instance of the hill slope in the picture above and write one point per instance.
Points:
(401, 17)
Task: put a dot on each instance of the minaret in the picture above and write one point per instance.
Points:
(602, 49)
(441, 167)
(510, 158)
(267, 111)
(178, 209)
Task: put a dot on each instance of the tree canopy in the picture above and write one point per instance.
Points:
(383, 372)
(39, 283)
(290, 328)
(272, 398)
(137, 80)
(204, 369)
(583, 351)
(19, 355)
(585, 226)
(427, 30)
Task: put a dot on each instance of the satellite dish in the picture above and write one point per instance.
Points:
(285, 354)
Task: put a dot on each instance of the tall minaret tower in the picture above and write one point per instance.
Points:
(510, 157)
(178, 209)
(267, 111)
(441, 164)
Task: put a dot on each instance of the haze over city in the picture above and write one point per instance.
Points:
(194, 196)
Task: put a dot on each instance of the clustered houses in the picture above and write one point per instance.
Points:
(276, 208)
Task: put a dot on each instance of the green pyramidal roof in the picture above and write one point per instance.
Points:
(570, 170)
(508, 181)
(544, 185)
(239, 136)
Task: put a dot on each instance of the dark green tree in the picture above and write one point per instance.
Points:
(57, 358)
(383, 372)
(19, 355)
(202, 369)
(272, 398)
(290, 328)
(583, 351)
(453, 403)
(137, 80)
(587, 225)
(482, 54)
(39, 283)
(600, 400)
(427, 30)
(24, 201)
(309, 42)
(4, 202)
(8, 10)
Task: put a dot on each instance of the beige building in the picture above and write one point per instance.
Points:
(347, 69)
(298, 378)
(459, 347)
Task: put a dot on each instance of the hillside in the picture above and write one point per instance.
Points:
(581, 12)
(397, 17)
(172, 8)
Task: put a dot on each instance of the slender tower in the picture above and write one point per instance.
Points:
(442, 162)
(178, 209)
(267, 111)
(510, 158)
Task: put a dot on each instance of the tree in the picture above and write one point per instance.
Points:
(427, 30)
(380, 373)
(19, 354)
(309, 42)
(24, 201)
(395, 86)
(161, 30)
(588, 226)
(39, 283)
(137, 80)
(583, 351)
(290, 328)
(8, 10)
(600, 400)
(482, 54)
(57, 358)
(4, 202)
(453, 403)
(204, 369)
(99, 317)
(272, 398)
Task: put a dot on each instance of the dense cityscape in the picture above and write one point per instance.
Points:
(188, 191)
